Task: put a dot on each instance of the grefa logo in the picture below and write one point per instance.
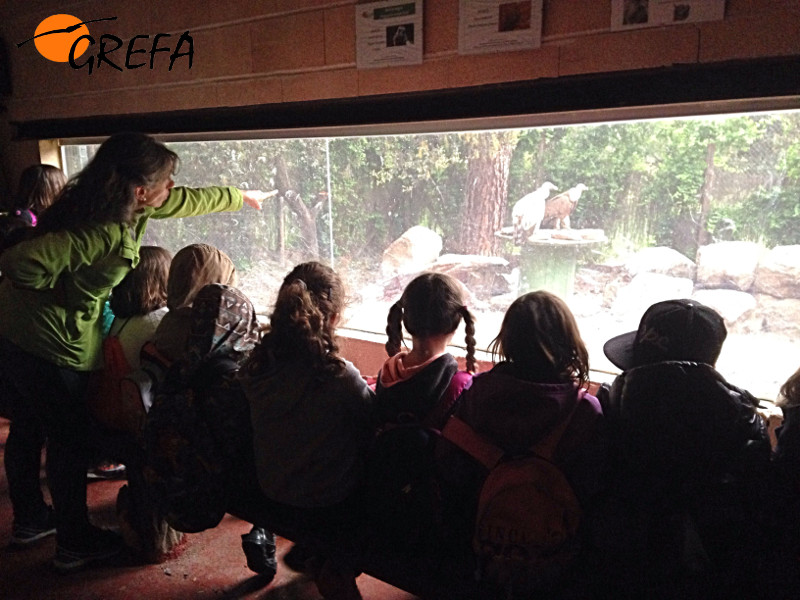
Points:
(65, 38)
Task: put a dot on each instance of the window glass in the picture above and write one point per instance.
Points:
(705, 208)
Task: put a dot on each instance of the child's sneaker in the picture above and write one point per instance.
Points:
(98, 545)
(25, 534)
(107, 470)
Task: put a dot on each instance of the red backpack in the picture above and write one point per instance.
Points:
(528, 514)
(103, 398)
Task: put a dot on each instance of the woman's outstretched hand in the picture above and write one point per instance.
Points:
(255, 198)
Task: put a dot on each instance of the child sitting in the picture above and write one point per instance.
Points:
(786, 461)
(193, 267)
(533, 396)
(688, 455)
(139, 301)
(311, 414)
(415, 393)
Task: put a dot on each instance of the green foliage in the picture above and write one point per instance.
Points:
(645, 181)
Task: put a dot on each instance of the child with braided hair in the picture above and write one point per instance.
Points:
(416, 391)
(411, 382)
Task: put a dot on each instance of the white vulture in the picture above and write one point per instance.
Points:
(528, 212)
(560, 207)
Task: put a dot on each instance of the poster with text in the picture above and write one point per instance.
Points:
(633, 14)
(388, 34)
(499, 26)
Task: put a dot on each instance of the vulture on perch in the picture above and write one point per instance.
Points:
(528, 212)
(560, 207)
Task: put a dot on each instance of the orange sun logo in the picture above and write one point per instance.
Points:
(55, 36)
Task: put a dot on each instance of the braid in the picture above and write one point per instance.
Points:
(469, 329)
(394, 328)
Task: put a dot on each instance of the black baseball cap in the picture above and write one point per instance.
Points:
(670, 330)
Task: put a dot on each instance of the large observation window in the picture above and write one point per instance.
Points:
(703, 207)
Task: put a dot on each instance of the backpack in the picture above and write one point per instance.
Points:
(403, 489)
(104, 397)
(186, 465)
(525, 532)
(139, 387)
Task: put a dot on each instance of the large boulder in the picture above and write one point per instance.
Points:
(663, 260)
(729, 265)
(412, 252)
(779, 315)
(733, 305)
(645, 290)
(778, 272)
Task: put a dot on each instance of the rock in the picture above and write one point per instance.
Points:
(412, 252)
(730, 265)
(778, 272)
(483, 275)
(733, 305)
(663, 260)
(646, 289)
(778, 315)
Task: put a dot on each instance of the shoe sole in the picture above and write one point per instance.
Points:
(106, 476)
(72, 561)
(20, 542)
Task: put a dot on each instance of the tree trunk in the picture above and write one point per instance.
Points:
(486, 190)
(306, 216)
(702, 236)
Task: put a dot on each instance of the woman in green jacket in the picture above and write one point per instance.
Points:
(51, 301)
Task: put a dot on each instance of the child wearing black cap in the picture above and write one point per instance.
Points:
(689, 454)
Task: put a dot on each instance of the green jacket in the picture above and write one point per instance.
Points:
(55, 285)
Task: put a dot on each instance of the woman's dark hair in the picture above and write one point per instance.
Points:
(790, 391)
(540, 336)
(144, 288)
(432, 304)
(38, 187)
(103, 192)
(302, 325)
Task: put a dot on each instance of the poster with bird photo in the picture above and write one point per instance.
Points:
(499, 25)
(634, 14)
(388, 34)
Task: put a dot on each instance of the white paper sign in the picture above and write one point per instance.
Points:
(499, 25)
(388, 33)
(634, 14)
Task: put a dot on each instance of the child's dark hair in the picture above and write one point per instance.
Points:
(38, 187)
(302, 324)
(539, 335)
(144, 288)
(432, 304)
(790, 391)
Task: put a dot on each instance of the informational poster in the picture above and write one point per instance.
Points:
(499, 25)
(388, 33)
(634, 14)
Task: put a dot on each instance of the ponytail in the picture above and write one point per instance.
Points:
(300, 325)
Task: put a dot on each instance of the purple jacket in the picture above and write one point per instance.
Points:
(515, 414)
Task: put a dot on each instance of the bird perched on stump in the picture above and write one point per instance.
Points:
(558, 208)
(528, 212)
